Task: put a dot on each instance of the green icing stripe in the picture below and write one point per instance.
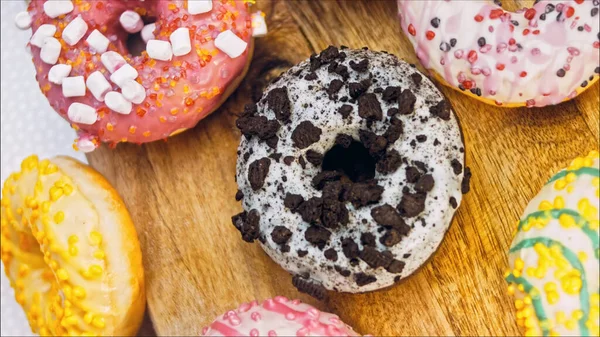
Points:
(575, 263)
(592, 171)
(535, 301)
(579, 219)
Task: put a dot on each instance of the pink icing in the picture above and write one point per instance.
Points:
(278, 317)
(509, 57)
(193, 83)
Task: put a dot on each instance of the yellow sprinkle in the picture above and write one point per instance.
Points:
(530, 322)
(96, 270)
(73, 251)
(68, 189)
(55, 193)
(45, 206)
(87, 318)
(519, 263)
(99, 254)
(559, 202)
(98, 322)
(511, 289)
(62, 274)
(577, 314)
(519, 304)
(527, 300)
(570, 177)
(71, 320)
(79, 292)
(59, 217)
(545, 205)
(570, 324)
(20, 210)
(96, 238)
(582, 256)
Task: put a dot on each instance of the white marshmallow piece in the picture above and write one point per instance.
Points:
(50, 50)
(73, 86)
(180, 41)
(86, 145)
(131, 21)
(117, 103)
(56, 8)
(82, 114)
(112, 61)
(159, 50)
(43, 31)
(133, 92)
(23, 20)
(126, 72)
(230, 44)
(259, 26)
(97, 41)
(148, 32)
(199, 6)
(58, 72)
(98, 85)
(74, 31)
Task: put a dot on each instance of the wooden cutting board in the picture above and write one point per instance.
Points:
(181, 195)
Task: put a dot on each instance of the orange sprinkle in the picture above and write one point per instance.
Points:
(132, 129)
(189, 101)
(140, 112)
(109, 127)
(172, 6)
(100, 5)
(174, 111)
(162, 119)
(173, 83)
(146, 133)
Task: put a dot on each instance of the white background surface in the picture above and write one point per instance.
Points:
(28, 126)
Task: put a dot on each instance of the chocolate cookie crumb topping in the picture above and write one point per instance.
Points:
(288, 160)
(309, 287)
(314, 157)
(369, 107)
(456, 166)
(343, 140)
(363, 194)
(363, 279)
(416, 78)
(318, 236)
(345, 110)
(281, 235)
(360, 66)
(395, 267)
(247, 224)
(257, 172)
(350, 248)
(406, 102)
(424, 184)
(391, 93)
(390, 163)
(465, 185)
(387, 215)
(412, 204)
(453, 202)
(278, 101)
(305, 134)
(334, 87)
(331, 254)
(391, 237)
(239, 195)
(374, 258)
(293, 201)
(442, 110)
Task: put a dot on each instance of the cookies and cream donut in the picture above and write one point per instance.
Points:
(533, 57)
(195, 55)
(554, 256)
(277, 316)
(70, 251)
(350, 169)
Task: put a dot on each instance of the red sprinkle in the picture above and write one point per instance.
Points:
(411, 30)
(496, 13)
(570, 12)
(500, 66)
(430, 35)
(530, 14)
(478, 18)
(536, 32)
(468, 84)
(596, 44)
(579, 2)
(512, 41)
(526, 31)
(472, 56)
(523, 74)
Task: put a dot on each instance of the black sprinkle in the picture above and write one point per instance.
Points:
(481, 41)
(435, 22)
(452, 42)
(560, 73)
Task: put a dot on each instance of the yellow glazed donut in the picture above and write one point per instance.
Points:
(70, 250)
(554, 256)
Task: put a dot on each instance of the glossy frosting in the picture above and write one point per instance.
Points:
(554, 256)
(535, 57)
(179, 92)
(278, 316)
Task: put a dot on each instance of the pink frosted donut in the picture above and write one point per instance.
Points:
(195, 56)
(534, 57)
(278, 316)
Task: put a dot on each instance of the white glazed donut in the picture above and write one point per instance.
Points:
(534, 57)
(350, 171)
(554, 256)
(70, 251)
(277, 316)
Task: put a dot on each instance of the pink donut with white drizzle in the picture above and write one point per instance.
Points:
(278, 316)
(197, 52)
(533, 57)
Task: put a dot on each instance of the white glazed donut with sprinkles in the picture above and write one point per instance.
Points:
(196, 53)
(70, 251)
(533, 57)
(554, 257)
(350, 169)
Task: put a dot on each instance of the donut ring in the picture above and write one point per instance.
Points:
(70, 251)
(350, 170)
(194, 58)
(278, 316)
(554, 256)
(534, 57)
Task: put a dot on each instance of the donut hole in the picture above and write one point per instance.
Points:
(135, 44)
(354, 162)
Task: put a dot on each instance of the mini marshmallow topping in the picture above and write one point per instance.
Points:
(199, 6)
(131, 22)
(57, 8)
(82, 114)
(230, 44)
(58, 72)
(112, 61)
(50, 50)
(74, 31)
(23, 20)
(133, 91)
(126, 72)
(41, 33)
(73, 86)
(180, 41)
(159, 50)
(98, 85)
(98, 41)
(117, 103)
(148, 32)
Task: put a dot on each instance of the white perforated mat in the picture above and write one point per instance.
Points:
(28, 126)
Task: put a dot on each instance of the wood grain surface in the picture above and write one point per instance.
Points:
(181, 195)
